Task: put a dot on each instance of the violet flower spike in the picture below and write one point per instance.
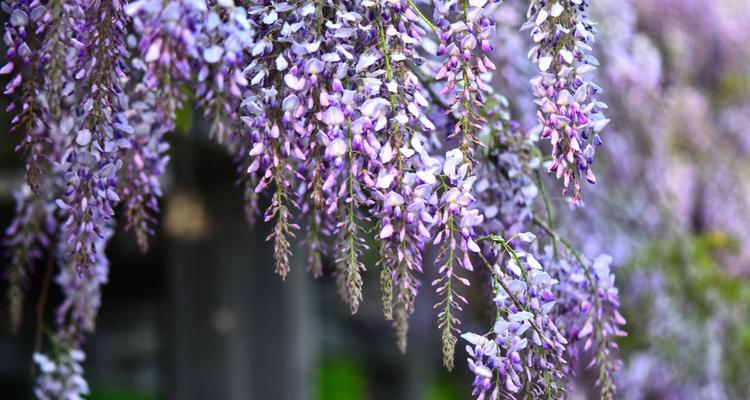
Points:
(90, 159)
(569, 113)
(461, 27)
(454, 223)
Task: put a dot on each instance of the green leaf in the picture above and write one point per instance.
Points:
(341, 379)
(184, 118)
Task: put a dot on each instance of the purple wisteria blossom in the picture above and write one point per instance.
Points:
(168, 46)
(360, 122)
(525, 336)
(466, 34)
(455, 221)
(401, 194)
(27, 238)
(568, 110)
(594, 318)
(90, 160)
(225, 36)
(60, 373)
(25, 22)
(145, 162)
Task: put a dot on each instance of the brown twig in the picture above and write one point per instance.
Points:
(41, 305)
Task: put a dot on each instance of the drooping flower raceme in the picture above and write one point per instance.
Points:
(525, 336)
(25, 22)
(225, 37)
(594, 318)
(568, 110)
(583, 292)
(90, 160)
(455, 221)
(60, 371)
(145, 162)
(401, 193)
(466, 32)
(168, 46)
(27, 238)
(328, 109)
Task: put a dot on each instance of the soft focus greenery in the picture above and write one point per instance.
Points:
(693, 275)
(341, 379)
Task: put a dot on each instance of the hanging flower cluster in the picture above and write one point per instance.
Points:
(27, 237)
(61, 373)
(591, 296)
(326, 109)
(568, 110)
(525, 334)
(539, 295)
(25, 21)
(466, 32)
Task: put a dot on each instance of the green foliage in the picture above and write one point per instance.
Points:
(693, 271)
(443, 389)
(732, 86)
(698, 282)
(184, 116)
(184, 119)
(341, 379)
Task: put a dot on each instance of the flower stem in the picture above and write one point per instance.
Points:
(421, 15)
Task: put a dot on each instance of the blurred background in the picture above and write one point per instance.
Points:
(202, 315)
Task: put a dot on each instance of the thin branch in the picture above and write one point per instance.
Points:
(41, 305)
(422, 16)
(551, 232)
(547, 209)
